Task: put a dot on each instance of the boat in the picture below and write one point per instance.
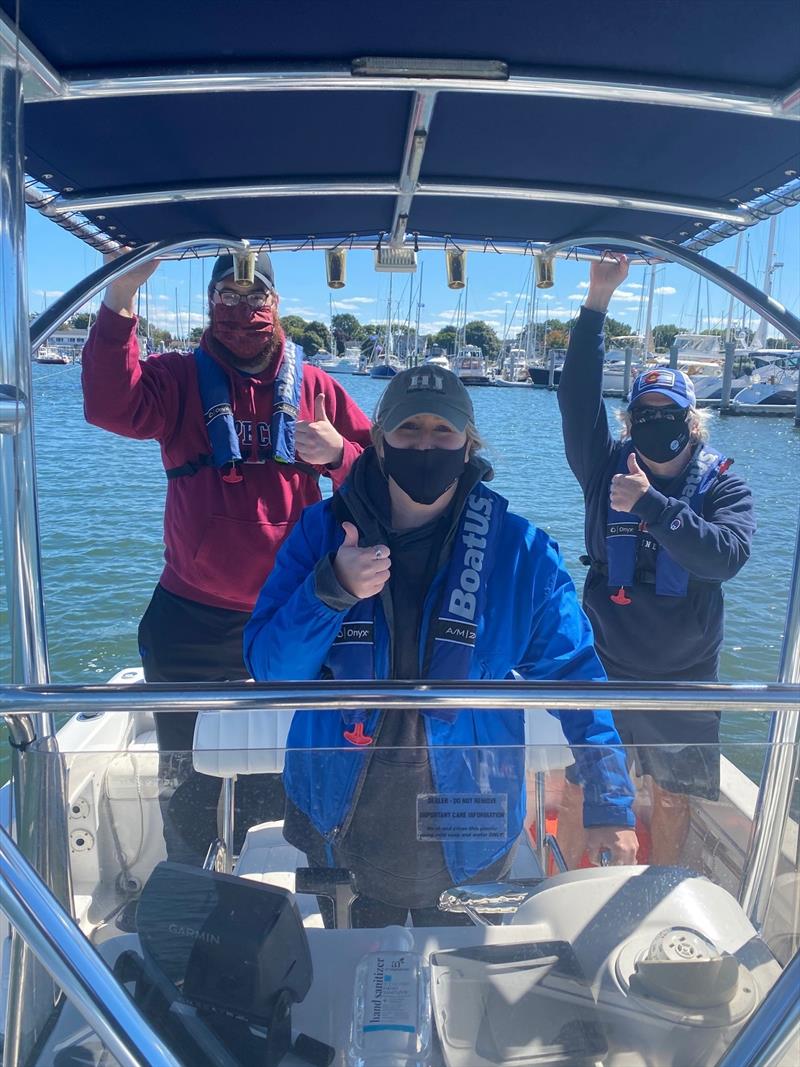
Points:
(635, 966)
(47, 354)
(384, 368)
(546, 371)
(512, 371)
(772, 387)
(469, 363)
(438, 360)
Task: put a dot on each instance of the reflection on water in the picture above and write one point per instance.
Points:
(101, 500)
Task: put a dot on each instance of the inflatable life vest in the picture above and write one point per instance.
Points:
(215, 396)
(622, 528)
(448, 641)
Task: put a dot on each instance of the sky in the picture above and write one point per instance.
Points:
(58, 260)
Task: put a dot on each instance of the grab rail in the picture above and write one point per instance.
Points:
(19, 700)
(75, 965)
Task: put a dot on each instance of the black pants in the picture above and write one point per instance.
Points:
(183, 641)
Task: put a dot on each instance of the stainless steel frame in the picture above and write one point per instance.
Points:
(416, 141)
(779, 774)
(44, 82)
(405, 189)
(74, 964)
(765, 1040)
(18, 510)
(266, 697)
(772, 310)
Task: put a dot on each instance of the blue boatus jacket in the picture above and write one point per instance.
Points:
(502, 607)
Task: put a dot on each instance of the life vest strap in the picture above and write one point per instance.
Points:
(192, 467)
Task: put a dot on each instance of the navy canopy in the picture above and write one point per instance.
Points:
(513, 152)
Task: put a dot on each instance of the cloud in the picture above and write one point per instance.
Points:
(665, 290)
(547, 296)
(621, 294)
(502, 295)
(634, 285)
(355, 300)
(583, 285)
(576, 296)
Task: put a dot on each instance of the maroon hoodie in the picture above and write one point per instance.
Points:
(221, 538)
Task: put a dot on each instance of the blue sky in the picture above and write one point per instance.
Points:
(57, 260)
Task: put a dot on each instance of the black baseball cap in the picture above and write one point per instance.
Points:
(263, 270)
(425, 390)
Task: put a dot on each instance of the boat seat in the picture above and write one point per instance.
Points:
(227, 744)
(268, 858)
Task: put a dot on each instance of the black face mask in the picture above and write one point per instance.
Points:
(423, 474)
(660, 434)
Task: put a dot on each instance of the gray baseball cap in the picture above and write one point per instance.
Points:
(425, 390)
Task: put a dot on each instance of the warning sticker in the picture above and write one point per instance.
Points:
(462, 817)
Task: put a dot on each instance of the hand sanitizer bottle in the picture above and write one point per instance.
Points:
(391, 1024)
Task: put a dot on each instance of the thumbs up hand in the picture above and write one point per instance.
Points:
(319, 442)
(627, 489)
(363, 572)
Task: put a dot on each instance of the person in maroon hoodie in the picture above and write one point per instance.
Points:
(245, 429)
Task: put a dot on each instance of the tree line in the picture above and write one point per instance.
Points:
(315, 336)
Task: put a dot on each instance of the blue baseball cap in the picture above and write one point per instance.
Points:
(667, 381)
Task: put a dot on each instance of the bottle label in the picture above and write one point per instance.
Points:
(462, 817)
(392, 1003)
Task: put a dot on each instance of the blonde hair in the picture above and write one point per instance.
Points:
(696, 419)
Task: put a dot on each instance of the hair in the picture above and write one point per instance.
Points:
(474, 440)
(696, 419)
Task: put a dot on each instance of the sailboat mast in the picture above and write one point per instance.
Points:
(729, 325)
(760, 337)
(419, 312)
(648, 327)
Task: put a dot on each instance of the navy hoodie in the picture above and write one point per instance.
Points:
(659, 638)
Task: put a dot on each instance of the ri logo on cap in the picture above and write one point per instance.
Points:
(425, 380)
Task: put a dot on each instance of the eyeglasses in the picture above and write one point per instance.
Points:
(255, 300)
(642, 415)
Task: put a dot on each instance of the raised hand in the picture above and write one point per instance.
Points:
(605, 276)
(363, 572)
(627, 489)
(120, 294)
(319, 442)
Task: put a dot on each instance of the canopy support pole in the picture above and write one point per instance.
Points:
(777, 778)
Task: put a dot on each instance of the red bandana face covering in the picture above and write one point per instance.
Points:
(243, 330)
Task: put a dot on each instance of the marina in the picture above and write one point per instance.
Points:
(261, 955)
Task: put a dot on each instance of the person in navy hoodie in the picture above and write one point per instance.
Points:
(415, 569)
(667, 523)
(246, 429)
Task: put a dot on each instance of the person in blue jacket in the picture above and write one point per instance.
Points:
(666, 524)
(415, 569)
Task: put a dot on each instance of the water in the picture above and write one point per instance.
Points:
(101, 500)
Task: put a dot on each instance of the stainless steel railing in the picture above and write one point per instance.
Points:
(49, 932)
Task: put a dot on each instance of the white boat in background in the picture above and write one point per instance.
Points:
(438, 360)
(470, 365)
(774, 386)
(48, 354)
(512, 370)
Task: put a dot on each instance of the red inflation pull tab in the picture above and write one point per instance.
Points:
(620, 597)
(356, 736)
(233, 476)
(724, 466)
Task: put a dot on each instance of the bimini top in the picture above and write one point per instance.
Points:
(508, 121)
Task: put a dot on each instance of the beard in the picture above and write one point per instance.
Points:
(247, 339)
